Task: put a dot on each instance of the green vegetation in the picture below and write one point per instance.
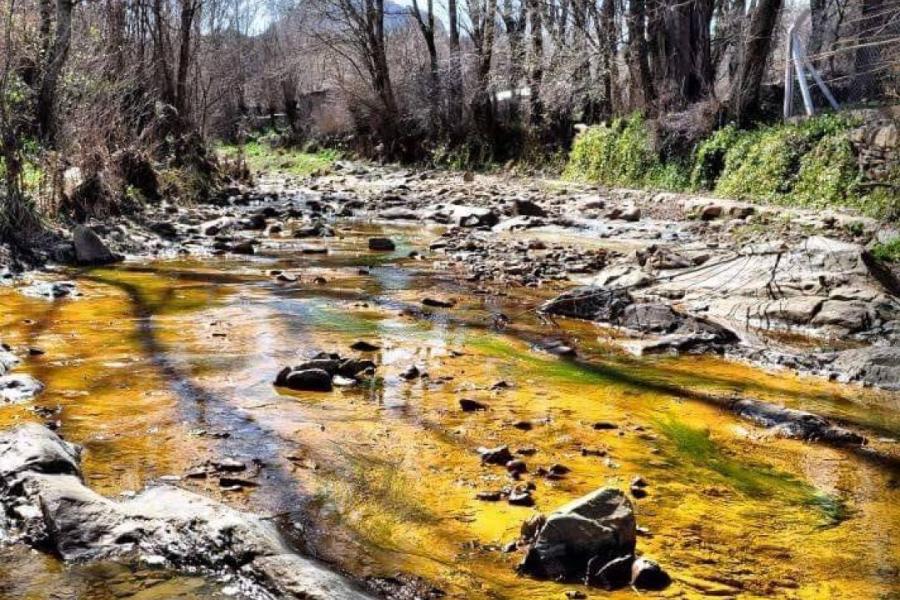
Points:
(261, 156)
(621, 154)
(810, 164)
(888, 251)
(756, 481)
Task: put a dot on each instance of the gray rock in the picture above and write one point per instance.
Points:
(875, 365)
(850, 315)
(47, 505)
(796, 424)
(599, 527)
(590, 303)
(90, 249)
(18, 388)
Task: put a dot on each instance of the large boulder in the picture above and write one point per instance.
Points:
(90, 249)
(598, 527)
(590, 303)
(46, 504)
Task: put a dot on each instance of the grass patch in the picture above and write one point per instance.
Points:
(888, 251)
(260, 156)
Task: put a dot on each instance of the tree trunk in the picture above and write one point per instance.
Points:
(46, 100)
(752, 66)
(515, 30)
(536, 70)
(186, 29)
(642, 92)
(426, 26)
(455, 91)
(686, 55)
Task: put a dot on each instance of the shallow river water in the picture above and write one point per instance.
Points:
(161, 365)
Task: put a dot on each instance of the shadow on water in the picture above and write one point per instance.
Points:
(207, 410)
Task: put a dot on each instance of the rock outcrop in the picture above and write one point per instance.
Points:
(46, 504)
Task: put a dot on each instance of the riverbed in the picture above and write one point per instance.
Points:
(158, 366)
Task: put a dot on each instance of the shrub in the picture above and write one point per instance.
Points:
(888, 251)
(621, 154)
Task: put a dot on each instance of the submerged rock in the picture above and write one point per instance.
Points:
(795, 424)
(46, 505)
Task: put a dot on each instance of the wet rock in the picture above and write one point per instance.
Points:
(381, 244)
(438, 302)
(18, 388)
(609, 575)
(354, 367)
(469, 405)
(795, 424)
(53, 290)
(310, 380)
(495, 456)
(364, 346)
(90, 249)
(516, 467)
(491, 496)
(589, 303)
(527, 208)
(412, 372)
(521, 497)
(243, 248)
(646, 574)
(46, 505)
(604, 425)
(599, 526)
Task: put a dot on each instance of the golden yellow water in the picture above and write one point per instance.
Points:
(155, 357)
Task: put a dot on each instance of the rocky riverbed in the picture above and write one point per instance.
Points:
(389, 372)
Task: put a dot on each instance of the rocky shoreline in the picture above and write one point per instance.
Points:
(778, 287)
(670, 274)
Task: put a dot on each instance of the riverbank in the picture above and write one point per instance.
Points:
(162, 368)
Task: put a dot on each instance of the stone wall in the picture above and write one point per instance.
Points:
(877, 146)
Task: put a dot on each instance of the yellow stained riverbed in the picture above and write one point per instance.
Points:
(158, 366)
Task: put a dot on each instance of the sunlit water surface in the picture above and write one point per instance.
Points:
(159, 366)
